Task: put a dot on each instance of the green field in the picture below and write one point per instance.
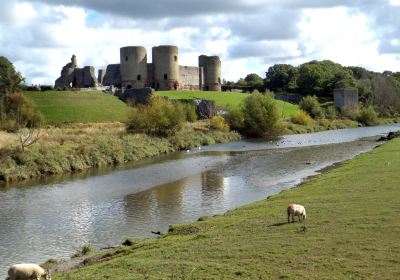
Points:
(352, 232)
(78, 106)
(225, 99)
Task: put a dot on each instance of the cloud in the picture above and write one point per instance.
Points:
(40, 36)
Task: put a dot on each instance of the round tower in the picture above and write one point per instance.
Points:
(133, 67)
(166, 67)
(212, 72)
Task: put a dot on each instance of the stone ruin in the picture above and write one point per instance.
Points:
(74, 77)
(345, 98)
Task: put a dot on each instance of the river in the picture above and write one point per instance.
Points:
(53, 217)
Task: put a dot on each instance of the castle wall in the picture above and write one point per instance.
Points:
(113, 76)
(345, 98)
(189, 78)
(166, 67)
(212, 72)
(100, 76)
(133, 67)
(89, 77)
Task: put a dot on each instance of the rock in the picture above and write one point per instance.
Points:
(206, 109)
(141, 96)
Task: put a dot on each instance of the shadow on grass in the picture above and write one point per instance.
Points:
(277, 224)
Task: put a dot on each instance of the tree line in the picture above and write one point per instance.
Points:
(319, 78)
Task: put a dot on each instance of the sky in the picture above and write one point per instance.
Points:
(40, 36)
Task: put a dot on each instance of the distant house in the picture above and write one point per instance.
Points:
(345, 97)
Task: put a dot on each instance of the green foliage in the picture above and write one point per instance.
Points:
(302, 118)
(235, 118)
(260, 115)
(254, 80)
(351, 113)
(160, 117)
(330, 112)
(189, 111)
(368, 116)
(321, 77)
(20, 112)
(311, 105)
(74, 106)
(10, 79)
(282, 77)
(219, 123)
(225, 100)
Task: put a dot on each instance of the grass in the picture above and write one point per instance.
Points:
(78, 106)
(352, 232)
(78, 147)
(226, 99)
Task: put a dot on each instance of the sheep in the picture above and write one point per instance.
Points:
(296, 210)
(27, 271)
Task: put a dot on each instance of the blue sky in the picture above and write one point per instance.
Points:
(249, 35)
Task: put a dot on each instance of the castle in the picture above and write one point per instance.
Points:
(133, 71)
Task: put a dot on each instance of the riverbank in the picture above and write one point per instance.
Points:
(78, 147)
(351, 232)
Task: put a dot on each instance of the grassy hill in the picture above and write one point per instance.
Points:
(352, 231)
(95, 106)
(78, 106)
(225, 99)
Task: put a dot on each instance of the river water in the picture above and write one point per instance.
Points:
(52, 218)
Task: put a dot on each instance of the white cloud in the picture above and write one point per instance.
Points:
(40, 36)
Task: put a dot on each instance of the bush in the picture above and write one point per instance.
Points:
(235, 118)
(189, 111)
(351, 113)
(330, 112)
(368, 116)
(260, 115)
(311, 105)
(160, 118)
(302, 118)
(20, 113)
(219, 123)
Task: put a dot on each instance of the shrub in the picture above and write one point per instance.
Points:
(350, 113)
(311, 105)
(330, 112)
(189, 111)
(368, 116)
(260, 115)
(235, 118)
(160, 117)
(302, 118)
(219, 123)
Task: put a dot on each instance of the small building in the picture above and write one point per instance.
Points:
(345, 97)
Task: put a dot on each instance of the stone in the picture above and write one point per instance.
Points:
(206, 109)
(112, 76)
(67, 74)
(89, 77)
(140, 96)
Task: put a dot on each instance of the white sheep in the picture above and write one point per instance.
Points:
(296, 210)
(27, 271)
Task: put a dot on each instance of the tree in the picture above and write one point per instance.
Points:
(282, 77)
(260, 115)
(254, 80)
(10, 81)
(321, 77)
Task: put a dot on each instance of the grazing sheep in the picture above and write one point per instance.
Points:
(27, 271)
(296, 210)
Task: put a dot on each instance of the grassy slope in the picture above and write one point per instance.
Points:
(225, 99)
(352, 232)
(75, 106)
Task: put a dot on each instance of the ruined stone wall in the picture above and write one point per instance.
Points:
(100, 76)
(113, 76)
(345, 98)
(189, 78)
(89, 77)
